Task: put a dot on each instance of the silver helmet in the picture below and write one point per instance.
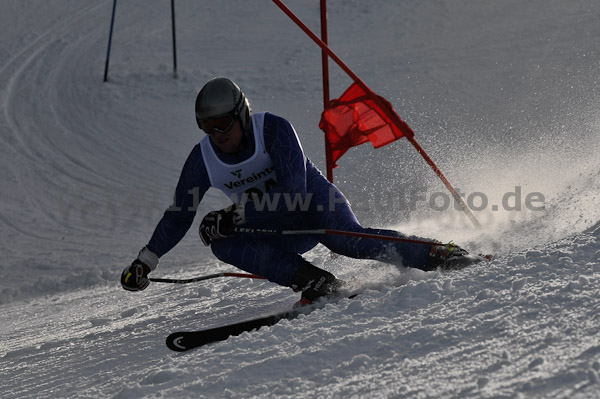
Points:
(221, 96)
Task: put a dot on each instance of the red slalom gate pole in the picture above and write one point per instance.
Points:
(388, 111)
(325, 73)
(444, 180)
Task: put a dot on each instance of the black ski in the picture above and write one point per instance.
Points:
(182, 341)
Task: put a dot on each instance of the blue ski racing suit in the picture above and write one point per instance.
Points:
(294, 195)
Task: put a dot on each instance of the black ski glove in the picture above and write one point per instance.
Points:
(135, 276)
(219, 224)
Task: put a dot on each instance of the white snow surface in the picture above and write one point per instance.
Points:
(503, 95)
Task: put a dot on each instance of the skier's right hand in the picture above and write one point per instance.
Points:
(135, 276)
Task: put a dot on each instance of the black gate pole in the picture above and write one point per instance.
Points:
(174, 41)
(112, 24)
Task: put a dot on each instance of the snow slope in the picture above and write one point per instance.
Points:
(502, 95)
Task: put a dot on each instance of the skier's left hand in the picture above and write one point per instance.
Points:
(219, 224)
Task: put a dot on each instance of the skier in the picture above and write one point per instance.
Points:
(258, 161)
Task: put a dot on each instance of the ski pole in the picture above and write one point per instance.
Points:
(202, 278)
(245, 230)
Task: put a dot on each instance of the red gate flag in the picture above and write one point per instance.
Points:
(356, 118)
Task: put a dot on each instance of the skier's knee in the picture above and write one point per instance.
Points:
(221, 248)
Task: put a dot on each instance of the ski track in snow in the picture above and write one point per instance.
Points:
(501, 94)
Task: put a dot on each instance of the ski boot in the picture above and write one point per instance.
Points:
(314, 283)
(451, 257)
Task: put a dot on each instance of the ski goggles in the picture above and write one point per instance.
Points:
(220, 124)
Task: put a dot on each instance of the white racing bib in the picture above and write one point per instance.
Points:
(254, 175)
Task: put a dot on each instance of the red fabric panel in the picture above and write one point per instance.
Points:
(355, 118)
